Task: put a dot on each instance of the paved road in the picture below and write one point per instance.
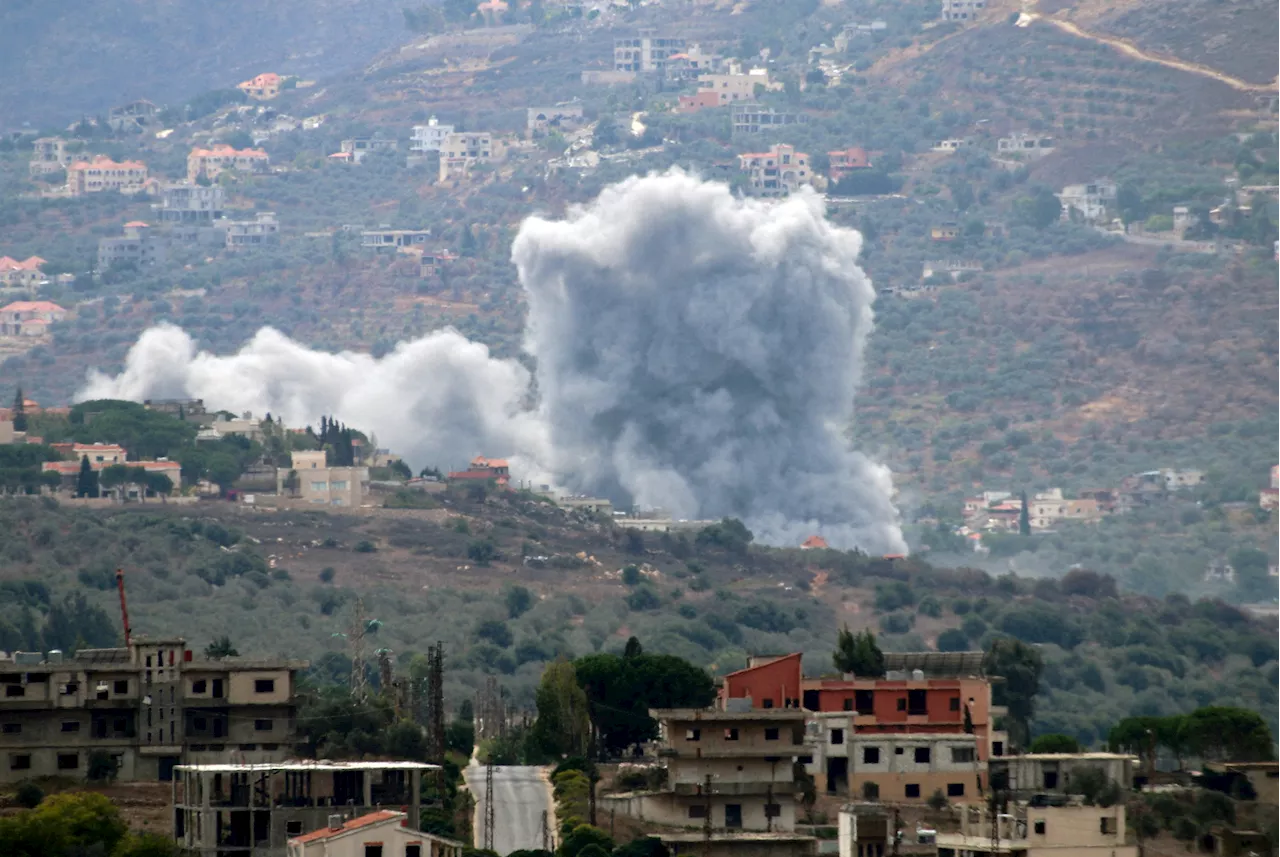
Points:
(520, 796)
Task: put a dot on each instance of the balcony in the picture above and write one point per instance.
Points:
(733, 789)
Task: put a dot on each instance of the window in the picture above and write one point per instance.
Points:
(902, 704)
(1039, 827)
(14, 690)
(68, 761)
(897, 751)
(199, 686)
(338, 485)
(773, 810)
(870, 755)
(70, 688)
(731, 734)
(118, 726)
(693, 734)
(955, 789)
(997, 748)
(837, 736)
(121, 686)
(806, 760)
(870, 791)
(848, 704)
(262, 725)
(71, 725)
(864, 701)
(697, 810)
(20, 762)
(916, 704)
(248, 746)
(1050, 779)
(264, 685)
(962, 755)
(912, 790)
(955, 703)
(771, 733)
(733, 815)
(293, 828)
(922, 755)
(414, 850)
(11, 728)
(319, 486)
(1107, 825)
(217, 688)
(768, 703)
(373, 849)
(200, 724)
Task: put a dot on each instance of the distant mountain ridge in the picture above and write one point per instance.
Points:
(62, 59)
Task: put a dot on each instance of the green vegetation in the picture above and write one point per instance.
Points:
(73, 823)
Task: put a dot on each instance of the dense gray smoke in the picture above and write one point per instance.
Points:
(700, 352)
(437, 400)
(695, 352)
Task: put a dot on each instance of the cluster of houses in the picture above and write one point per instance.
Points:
(1001, 511)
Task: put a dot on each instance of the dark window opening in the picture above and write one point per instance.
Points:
(268, 685)
(733, 815)
(697, 810)
(262, 725)
(922, 755)
(771, 733)
(870, 755)
(1050, 779)
(199, 686)
(773, 810)
(902, 704)
(955, 703)
(68, 761)
(837, 736)
(955, 789)
(848, 704)
(122, 686)
(373, 850)
(414, 850)
(71, 726)
(870, 791)
(14, 690)
(916, 704)
(913, 790)
(20, 762)
(293, 828)
(731, 734)
(11, 728)
(1039, 827)
(692, 734)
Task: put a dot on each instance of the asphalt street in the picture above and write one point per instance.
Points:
(520, 797)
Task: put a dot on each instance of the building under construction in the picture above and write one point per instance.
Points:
(253, 810)
(151, 705)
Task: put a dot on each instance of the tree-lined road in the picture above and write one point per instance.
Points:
(520, 797)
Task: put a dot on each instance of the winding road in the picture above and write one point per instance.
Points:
(521, 795)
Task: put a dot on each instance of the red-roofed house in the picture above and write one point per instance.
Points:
(846, 161)
(210, 162)
(102, 173)
(386, 833)
(25, 273)
(263, 87)
(814, 543)
(29, 318)
(482, 468)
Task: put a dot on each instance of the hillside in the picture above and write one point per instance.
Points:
(285, 583)
(89, 56)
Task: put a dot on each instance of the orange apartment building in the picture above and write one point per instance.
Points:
(927, 726)
(102, 174)
(262, 87)
(221, 157)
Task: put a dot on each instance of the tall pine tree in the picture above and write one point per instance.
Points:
(87, 481)
(1024, 517)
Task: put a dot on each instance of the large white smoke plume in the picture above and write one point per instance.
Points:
(694, 351)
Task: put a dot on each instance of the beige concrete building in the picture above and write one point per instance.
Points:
(385, 832)
(729, 774)
(1038, 773)
(312, 480)
(776, 172)
(151, 705)
(904, 768)
(254, 810)
(646, 52)
(463, 149)
(737, 86)
(1050, 831)
(219, 158)
(103, 174)
(48, 155)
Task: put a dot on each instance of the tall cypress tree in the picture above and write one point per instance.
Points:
(87, 481)
(1024, 517)
(19, 411)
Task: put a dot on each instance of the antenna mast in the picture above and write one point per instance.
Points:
(359, 626)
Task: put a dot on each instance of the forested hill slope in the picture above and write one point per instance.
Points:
(60, 59)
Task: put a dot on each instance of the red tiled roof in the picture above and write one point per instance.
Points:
(372, 818)
(815, 542)
(133, 223)
(269, 78)
(492, 463)
(32, 306)
(102, 162)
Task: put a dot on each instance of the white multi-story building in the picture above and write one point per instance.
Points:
(430, 137)
(776, 172)
(645, 52)
(463, 149)
(1073, 830)
(962, 10)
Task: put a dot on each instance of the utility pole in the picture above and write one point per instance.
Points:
(707, 816)
(355, 639)
(546, 832)
(488, 806)
(897, 830)
(435, 701)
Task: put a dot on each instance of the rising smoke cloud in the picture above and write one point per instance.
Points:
(695, 352)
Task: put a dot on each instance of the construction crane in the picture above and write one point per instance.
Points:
(124, 608)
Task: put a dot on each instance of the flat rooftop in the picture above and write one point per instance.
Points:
(760, 836)
(716, 714)
(1067, 757)
(306, 765)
